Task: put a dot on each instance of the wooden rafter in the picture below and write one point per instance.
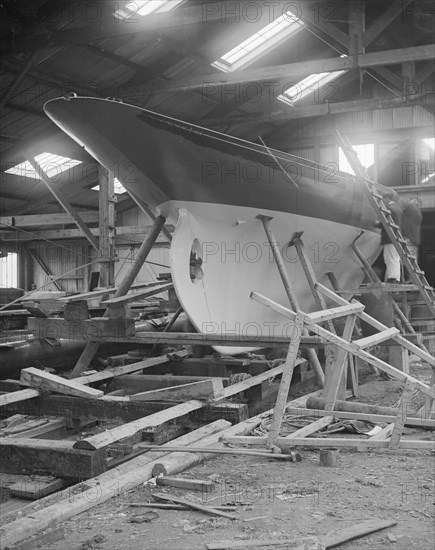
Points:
(297, 70)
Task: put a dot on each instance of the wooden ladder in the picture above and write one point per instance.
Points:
(391, 228)
(400, 318)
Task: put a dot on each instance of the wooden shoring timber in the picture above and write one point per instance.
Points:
(102, 292)
(74, 500)
(17, 396)
(125, 285)
(139, 294)
(47, 381)
(284, 387)
(377, 338)
(314, 360)
(58, 458)
(312, 428)
(284, 443)
(310, 275)
(106, 374)
(80, 408)
(334, 313)
(348, 346)
(136, 428)
(380, 326)
(203, 389)
(254, 381)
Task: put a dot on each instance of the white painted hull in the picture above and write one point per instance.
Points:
(237, 260)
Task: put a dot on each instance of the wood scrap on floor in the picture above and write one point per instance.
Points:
(194, 505)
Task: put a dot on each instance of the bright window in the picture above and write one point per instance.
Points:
(307, 86)
(145, 7)
(366, 155)
(310, 84)
(9, 270)
(51, 164)
(259, 43)
(118, 188)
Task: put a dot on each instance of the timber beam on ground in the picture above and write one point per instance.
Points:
(285, 443)
(58, 458)
(101, 330)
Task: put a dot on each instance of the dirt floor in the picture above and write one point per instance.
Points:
(276, 499)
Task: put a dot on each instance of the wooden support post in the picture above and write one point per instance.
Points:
(107, 227)
(290, 294)
(286, 379)
(340, 365)
(145, 248)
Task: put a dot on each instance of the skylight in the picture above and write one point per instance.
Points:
(307, 86)
(53, 165)
(259, 43)
(118, 188)
(145, 7)
(366, 155)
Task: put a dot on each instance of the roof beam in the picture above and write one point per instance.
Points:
(46, 219)
(382, 22)
(320, 109)
(60, 234)
(280, 73)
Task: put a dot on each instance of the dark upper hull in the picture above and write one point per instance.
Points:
(160, 159)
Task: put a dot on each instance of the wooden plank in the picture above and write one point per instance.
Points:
(380, 326)
(338, 373)
(267, 453)
(301, 543)
(334, 313)
(57, 458)
(209, 388)
(127, 369)
(289, 366)
(135, 383)
(411, 421)
(254, 381)
(331, 540)
(162, 506)
(311, 428)
(333, 338)
(102, 292)
(34, 489)
(334, 538)
(194, 505)
(203, 485)
(34, 220)
(377, 338)
(49, 426)
(140, 294)
(361, 443)
(52, 382)
(110, 437)
(17, 396)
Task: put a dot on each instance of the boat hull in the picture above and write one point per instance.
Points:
(213, 187)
